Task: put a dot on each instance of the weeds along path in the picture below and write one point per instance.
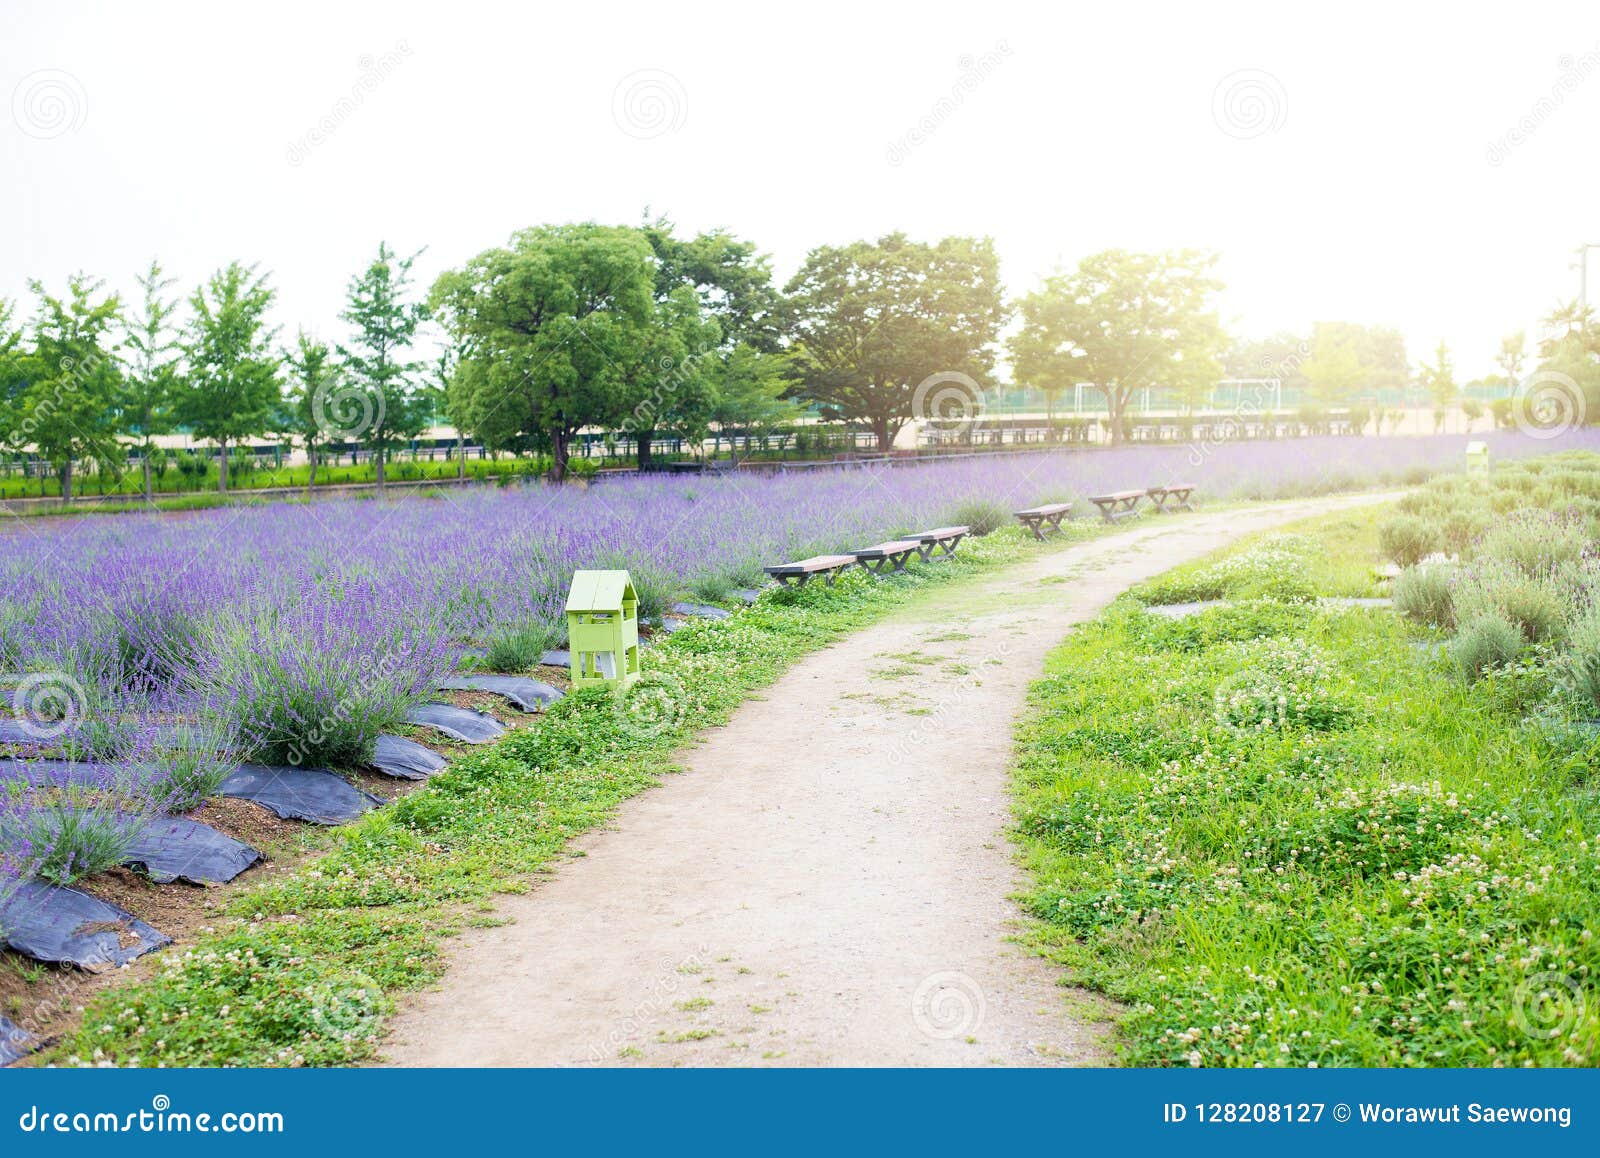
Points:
(828, 882)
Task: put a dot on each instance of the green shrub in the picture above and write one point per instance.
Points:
(1579, 667)
(1538, 606)
(983, 516)
(1422, 594)
(1408, 539)
(1460, 529)
(1534, 542)
(1490, 641)
(518, 648)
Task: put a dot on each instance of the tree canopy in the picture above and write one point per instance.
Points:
(873, 320)
(1122, 322)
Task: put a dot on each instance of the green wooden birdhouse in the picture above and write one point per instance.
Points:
(603, 629)
(1478, 457)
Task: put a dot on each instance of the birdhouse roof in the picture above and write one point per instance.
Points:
(599, 591)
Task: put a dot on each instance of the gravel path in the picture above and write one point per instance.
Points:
(828, 883)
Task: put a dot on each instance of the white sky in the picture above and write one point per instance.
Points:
(1369, 197)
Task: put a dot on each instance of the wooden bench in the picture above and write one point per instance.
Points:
(941, 541)
(1118, 505)
(801, 573)
(1049, 516)
(1177, 494)
(883, 556)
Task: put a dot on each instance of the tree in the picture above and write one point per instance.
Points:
(1513, 348)
(69, 387)
(1123, 322)
(541, 324)
(1279, 356)
(873, 322)
(1569, 357)
(437, 387)
(376, 359)
(751, 390)
(315, 384)
(732, 280)
(667, 365)
(232, 390)
(1333, 371)
(1439, 380)
(155, 356)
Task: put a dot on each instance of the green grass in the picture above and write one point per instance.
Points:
(303, 970)
(1388, 866)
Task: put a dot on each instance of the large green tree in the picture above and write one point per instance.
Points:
(545, 326)
(1123, 322)
(154, 361)
(378, 360)
(69, 386)
(1350, 361)
(874, 320)
(231, 392)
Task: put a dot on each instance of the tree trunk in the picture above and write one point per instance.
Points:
(311, 475)
(149, 492)
(1116, 406)
(882, 434)
(642, 438)
(560, 450)
(66, 481)
(378, 456)
(461, 456)
(222, 466)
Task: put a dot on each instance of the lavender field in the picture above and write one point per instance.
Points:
(284, 613)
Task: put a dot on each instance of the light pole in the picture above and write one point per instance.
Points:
(1583, 280)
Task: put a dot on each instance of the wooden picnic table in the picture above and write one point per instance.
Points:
(801, 573)
(1118, 505)
(1176, 494)
(941, 541)
(882, 556)
(1048, 517)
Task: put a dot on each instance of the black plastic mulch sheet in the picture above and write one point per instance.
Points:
(60, 925)
(458, 723)
(526, 694)
(43, 773)
(406, 759)
(300, 793)
(52, 732)
(700, 610)
(554, 658)
(15, 1042)
(173, 848)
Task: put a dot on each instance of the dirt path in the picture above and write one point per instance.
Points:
(828, 882)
